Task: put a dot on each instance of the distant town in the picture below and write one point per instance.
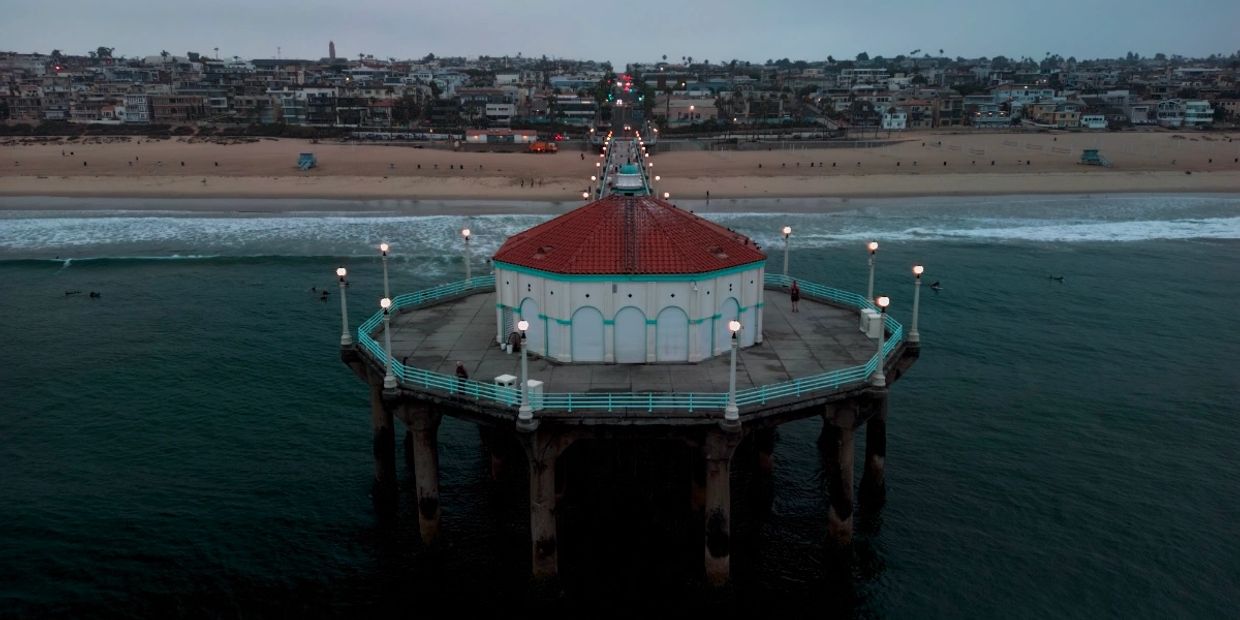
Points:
(437, 97)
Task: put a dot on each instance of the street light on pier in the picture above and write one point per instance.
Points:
(666, 195)
(389, 379)
(525, 412)
(465, 233)
(345, 338)
(787, 233)
(873, 247)
(730, 412)
(913, 336)
(383, 248)
(878, 379)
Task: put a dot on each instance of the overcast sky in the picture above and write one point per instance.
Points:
(623, 31)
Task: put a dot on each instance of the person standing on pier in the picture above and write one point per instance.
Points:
(461, 375)
(795, 294)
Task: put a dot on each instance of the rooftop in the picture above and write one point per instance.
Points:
(629, 235)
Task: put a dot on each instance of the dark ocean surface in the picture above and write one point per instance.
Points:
(189, 444)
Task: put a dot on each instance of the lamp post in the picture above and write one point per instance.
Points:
(345, 338)
(465, 233)
(730, 412)
(878, 379)
(787, 233)
(387, 292)
(913, 336)
(389, 379)
(666, 195)
(526, 412)
(873, 247)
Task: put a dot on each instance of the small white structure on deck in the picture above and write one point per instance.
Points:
(629, 280)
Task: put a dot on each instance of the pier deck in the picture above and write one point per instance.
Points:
(820, 338)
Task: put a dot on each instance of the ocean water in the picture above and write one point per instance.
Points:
(190, 445)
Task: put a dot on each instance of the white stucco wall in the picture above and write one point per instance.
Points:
(559, 300)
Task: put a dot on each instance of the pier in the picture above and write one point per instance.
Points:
(629, 319)
(812, 363)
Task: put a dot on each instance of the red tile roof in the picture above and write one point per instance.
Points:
(629, 235)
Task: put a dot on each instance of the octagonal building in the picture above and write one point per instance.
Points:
(629, 280)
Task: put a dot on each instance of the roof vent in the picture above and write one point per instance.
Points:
(542, 251)
(718, 252)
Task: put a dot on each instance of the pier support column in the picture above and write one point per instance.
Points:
(837, 453)
(873, 492)
(718, 449)
(543, 449)
(383, 442)
(423, 439)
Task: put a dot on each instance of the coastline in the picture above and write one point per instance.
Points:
(923, 164)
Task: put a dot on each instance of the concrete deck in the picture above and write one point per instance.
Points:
(818, 339)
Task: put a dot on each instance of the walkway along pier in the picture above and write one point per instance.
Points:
(630, 319)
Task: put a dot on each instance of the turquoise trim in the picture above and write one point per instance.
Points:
(652, 321)
(700, 321)
(622, 277)
(563, 322)
(609, 321)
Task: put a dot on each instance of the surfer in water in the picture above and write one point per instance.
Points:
(936, 286)
(1055, 278)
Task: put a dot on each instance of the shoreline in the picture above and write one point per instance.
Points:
(921, 165)
(415, 193)
(119, 206)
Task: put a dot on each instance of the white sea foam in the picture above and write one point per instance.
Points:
(433, 243)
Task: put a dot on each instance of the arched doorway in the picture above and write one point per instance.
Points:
(630, 345)
(535, 336)
(672, 335)
(729, 310)
(587, 330)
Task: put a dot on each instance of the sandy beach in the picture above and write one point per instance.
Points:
(921, 164)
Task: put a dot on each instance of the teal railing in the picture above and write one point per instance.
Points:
(417, 378)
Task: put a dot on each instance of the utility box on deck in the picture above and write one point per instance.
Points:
(536, 394)
(871, 322)
(506, 381)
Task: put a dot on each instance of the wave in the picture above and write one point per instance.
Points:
(435, 240)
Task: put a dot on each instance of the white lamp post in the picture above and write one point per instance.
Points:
(873, 247)
(526, 412)
(387, 292)
(730, 412)
(345, 338)
(878, 379)
(787, 233)
(389, 379)
(465, 232)
(913, 336)
(585, 195)
(666, 195)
